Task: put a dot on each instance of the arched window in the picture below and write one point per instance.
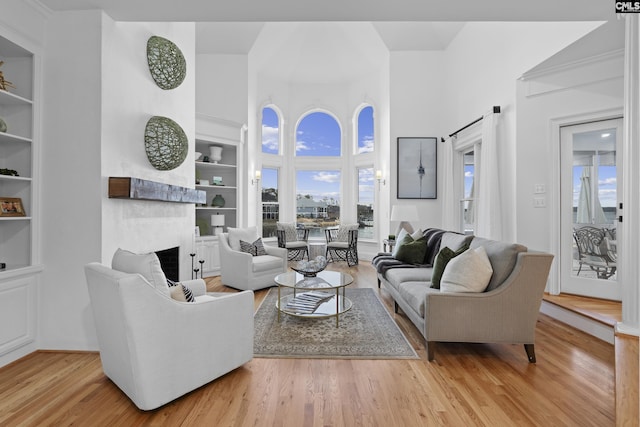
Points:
(270, 131)
(365, 130)
(318, 134)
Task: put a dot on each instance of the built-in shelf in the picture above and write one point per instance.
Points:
(142, 189)
(217, 187)
(213, 208)
(14, 178)
(8, 98)
(215, 165)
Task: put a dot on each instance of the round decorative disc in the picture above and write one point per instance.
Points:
(165, 142)
(166, 62)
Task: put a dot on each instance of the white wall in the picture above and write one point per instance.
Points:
(129, 98)
(483, 63)
(221, 82)
(71, 190)
(416, 109)
(99, 96)
(596, 95)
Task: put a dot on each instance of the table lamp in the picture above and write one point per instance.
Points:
(217, 222)
(404, 214)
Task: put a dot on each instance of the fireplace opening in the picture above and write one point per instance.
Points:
(170, 263)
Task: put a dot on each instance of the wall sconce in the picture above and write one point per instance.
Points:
(256, 179)
(381, 180)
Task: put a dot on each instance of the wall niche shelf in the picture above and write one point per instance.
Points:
(141, 189)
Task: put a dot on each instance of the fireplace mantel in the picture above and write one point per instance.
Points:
(142, 189)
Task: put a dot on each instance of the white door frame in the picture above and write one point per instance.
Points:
(554, 190)
(571, 283)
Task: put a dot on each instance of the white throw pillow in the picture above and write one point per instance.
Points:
(468, 272)
(236, 234)
(148, 265)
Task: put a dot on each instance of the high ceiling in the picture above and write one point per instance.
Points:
(317, 41)
(344, 10)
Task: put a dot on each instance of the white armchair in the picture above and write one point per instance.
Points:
(242, 270)
(156, 349)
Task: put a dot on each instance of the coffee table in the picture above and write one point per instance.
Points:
(329, 282)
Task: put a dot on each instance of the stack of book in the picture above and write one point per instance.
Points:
(307, 302)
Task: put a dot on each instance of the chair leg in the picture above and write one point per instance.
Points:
(430, 350)
(531, 354)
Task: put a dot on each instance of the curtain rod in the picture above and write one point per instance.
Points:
(496, 110)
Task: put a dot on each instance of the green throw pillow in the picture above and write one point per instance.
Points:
(442, 259)
(412, 251)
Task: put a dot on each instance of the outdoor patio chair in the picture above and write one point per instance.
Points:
(293, 239)
(596, 249)
(342, 244)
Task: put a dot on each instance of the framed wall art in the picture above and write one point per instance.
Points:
(11, 206)
(417, 168)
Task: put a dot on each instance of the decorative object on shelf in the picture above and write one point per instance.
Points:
(202, 224)
(3, 125)
(197, 176)
(204, 182)
(310, 268)
(215, 154)
(4, 84)
(217, 222)
(9, 172)
(11, 206)
(166, 62)
(205, 159)
(218, 201)
(198, 155)
(217, 180)
(165, 142)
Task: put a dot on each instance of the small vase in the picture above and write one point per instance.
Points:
(216, 153)
(218, 201)
(3, 125)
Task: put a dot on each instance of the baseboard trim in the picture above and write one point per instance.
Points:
(585, 324)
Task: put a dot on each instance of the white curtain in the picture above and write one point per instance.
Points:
(450, 209)
(489, 219)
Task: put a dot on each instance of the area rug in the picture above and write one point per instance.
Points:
(367, 331)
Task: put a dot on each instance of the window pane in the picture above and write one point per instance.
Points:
(270, 131)
(365, 130)
(318, 134)
(317, 200)
(366, 187)
(270, 205)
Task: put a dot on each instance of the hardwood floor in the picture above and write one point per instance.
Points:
(572, 384)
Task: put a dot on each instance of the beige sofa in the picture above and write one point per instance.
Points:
(506, 312)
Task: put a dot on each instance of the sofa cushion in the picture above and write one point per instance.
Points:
(266, 263)
(256, 248)
(455, 241)
(148, 265)
(468, 272)
(414, 294)
(433, 236)
(412, 251)
(236, 234)
(397, 276)
(182, 293)
(503, 257)
(445, 255)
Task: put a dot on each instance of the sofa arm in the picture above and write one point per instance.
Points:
(505, 314)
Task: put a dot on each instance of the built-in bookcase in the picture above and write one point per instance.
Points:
(16, 154)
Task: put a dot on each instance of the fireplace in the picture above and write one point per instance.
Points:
(170, 263)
